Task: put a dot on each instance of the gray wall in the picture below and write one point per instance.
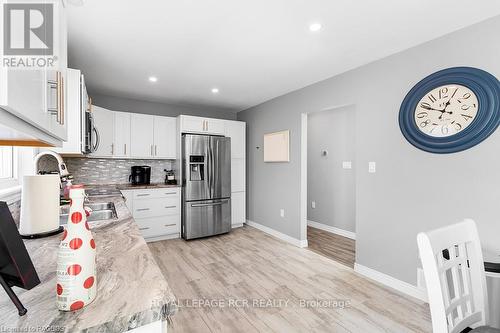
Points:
(328, 184)
(160, 109)
(412, 190)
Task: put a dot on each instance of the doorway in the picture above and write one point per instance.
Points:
(330, 187)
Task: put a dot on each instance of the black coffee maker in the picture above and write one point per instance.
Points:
(140, 175)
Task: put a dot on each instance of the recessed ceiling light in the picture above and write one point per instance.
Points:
(315, 27)
(215, 90)
(153, 79)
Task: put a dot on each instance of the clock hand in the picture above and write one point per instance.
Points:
(429, 108)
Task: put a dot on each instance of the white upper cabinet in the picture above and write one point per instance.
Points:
(104, 134)
(76, 106)
(236, 131)
(142, 145)
(191, 124)
(122, 132)
(33, 101)
(24, 94)
(134, 135)
(165, 137)
(238, 215)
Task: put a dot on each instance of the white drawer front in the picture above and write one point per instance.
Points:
(156, 193)
(159, 226)
(156, 207)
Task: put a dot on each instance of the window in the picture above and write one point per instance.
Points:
(6, 162)
(8, 167)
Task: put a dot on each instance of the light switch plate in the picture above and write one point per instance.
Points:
(372, 167)
(347, 165)
(282, 212)
(313, 204)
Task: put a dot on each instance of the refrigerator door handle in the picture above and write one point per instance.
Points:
(210, 169)
(209, 166)
(210, 204)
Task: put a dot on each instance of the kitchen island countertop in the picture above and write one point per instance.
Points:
(131, 290)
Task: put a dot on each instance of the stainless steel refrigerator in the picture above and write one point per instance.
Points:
(206, 181)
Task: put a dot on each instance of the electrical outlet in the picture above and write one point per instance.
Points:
(347, 165)
(372, 167)
(282, 212)
(313, 204)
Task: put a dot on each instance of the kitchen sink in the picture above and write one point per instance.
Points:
(100, 211)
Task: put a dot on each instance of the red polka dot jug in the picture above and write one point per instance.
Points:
(76, 260)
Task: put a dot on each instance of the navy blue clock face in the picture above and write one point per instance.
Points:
(451, 110)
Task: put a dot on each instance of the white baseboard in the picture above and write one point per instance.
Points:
(238, 225)
(391, 282)
(277, 234)
(341, 232)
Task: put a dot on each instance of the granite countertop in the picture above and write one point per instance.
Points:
(141, 187)
(131, 290)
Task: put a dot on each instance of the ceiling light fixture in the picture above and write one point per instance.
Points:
(153, 79)
(215, 90)
(315, 27)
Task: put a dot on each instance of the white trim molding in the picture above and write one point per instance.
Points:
(391, 282)
(334, 230)
(277, 234)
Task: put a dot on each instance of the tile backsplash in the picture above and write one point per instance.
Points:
(111, 171)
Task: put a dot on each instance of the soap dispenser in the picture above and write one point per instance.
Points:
(76, 260)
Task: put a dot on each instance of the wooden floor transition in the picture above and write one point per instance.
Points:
(286, 289)
(333, 246)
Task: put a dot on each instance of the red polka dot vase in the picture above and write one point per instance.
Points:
(76, 261)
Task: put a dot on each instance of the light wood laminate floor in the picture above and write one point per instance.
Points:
(333, 246)
(248, 264)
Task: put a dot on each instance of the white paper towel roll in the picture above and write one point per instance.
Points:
(39, 204)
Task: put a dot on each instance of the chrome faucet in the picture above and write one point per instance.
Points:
(63, 170)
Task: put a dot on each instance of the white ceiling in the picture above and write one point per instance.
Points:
(251, 50)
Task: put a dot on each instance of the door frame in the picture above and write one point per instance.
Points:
(303, 166)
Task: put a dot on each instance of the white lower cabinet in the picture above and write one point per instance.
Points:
(238, 216)
(157, 212)
(238, 178)
(155, 227)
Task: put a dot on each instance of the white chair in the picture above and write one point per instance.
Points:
(453, 266)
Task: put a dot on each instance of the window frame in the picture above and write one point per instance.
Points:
(8, 183)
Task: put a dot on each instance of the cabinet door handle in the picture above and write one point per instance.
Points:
(152, 150)
(63, 105)
(170, 225)
(207, 124)
(112, 149)
(142, 209)
(156, 153)
(124, 149)
(143, 195)
(169, 193)
(144, 228)
(170, 206)
(56, 85)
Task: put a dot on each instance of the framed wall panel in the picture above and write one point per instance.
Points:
(277, 147)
